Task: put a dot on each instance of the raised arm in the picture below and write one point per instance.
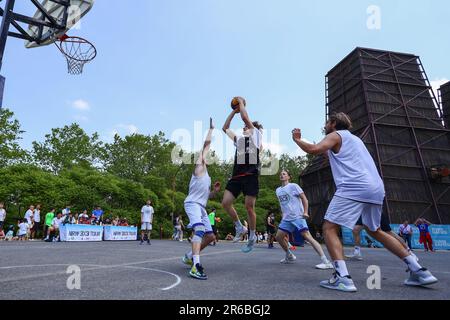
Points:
(200, 166)
(244, 114)
(226, 127)
(330, 142)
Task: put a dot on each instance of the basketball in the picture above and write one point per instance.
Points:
(235, 103)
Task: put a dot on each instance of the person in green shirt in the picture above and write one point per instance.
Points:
(212, 220)
(48, 221)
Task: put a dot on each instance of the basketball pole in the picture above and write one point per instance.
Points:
(6, 21)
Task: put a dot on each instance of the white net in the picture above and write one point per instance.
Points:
(78, 52)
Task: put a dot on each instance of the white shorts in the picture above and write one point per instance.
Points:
(146, 226)
(346, 212)
(197, 216)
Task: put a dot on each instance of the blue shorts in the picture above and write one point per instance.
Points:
(292, 226)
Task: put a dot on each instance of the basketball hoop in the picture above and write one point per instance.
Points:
(78, 52)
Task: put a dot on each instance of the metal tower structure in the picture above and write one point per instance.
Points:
(444, 97)
(396, 113)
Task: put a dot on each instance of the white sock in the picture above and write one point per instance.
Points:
(196, 260)
(324, 259)
(357, 251)
(189, 254)
(238, 225)
(341, 268)
(252, 235)
(412, 263)
(289, 252)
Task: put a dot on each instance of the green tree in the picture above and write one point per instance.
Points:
(66, 147)
(137, 155)
(10, 134)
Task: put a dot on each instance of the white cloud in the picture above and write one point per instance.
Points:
(81, 105)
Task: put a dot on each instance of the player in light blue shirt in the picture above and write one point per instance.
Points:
(294, 206)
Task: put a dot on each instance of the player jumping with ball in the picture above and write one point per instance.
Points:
(195, 207)
(245, 177)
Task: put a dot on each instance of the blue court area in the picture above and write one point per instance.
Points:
(127, 270)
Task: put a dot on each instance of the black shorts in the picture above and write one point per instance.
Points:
(36, 226)
(271, 230)
(248, 185)
(1, 224)
(385, 223)
(214, 229)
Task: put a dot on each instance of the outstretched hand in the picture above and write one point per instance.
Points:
(297, 134)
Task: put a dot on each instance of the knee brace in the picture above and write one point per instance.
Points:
(199, 233)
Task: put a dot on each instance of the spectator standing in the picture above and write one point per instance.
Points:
(405, 231)
(271, 231)
(48, 222)
(29, 214)
(147, 212)
(179, 226)
(212, 220)
(36, 222)
(425, 236)
(2, 215)
(66, 211)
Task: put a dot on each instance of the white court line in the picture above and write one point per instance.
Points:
(93, 267)
(99, 267)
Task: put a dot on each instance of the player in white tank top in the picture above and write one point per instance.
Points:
(360, 192)
(195, 207)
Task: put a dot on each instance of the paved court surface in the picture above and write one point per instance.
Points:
(126, 270)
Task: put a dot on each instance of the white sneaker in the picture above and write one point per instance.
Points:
(357, 257)
(339, 283)
(290, 258)
(239, 234)
(325, 266)
(414, 256)
(422, 277)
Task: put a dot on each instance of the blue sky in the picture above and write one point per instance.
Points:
(164, 64)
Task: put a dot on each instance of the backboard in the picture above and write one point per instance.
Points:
(65, 14)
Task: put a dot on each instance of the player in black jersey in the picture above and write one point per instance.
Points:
(246, 171)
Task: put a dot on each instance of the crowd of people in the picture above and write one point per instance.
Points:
(35, 226)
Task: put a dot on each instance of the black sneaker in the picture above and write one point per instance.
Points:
(197, 272)
(148, 242)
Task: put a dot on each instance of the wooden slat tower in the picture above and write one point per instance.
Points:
(396, 114)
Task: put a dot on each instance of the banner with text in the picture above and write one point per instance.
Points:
(120, 233)
(78, 232)
(439, 233)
